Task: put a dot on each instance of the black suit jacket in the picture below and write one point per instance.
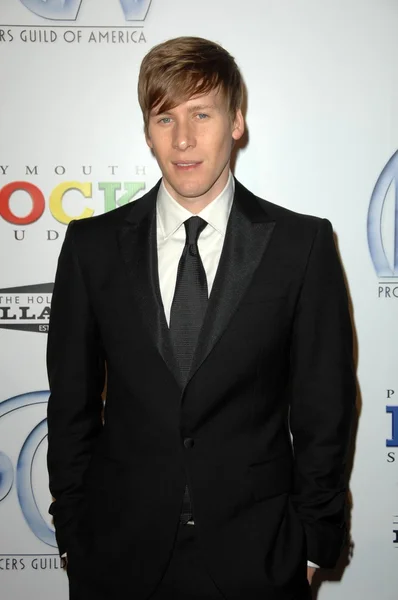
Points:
(273, 365)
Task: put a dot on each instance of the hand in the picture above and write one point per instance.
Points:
(310, 574)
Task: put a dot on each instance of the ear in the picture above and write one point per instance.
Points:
(148, 139)
(238, 127)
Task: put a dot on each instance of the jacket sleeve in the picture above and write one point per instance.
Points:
(322, 399)
(76, 376)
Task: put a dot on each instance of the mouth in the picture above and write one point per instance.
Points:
(185, 165)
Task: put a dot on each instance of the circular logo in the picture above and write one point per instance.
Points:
(377, 238)
(22, 477)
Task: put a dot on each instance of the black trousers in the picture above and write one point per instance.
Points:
(186, 577)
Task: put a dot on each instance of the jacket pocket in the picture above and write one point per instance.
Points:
(272, 478)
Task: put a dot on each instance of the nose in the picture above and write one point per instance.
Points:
(183, 135)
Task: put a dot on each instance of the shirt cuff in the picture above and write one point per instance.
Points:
(311, 564)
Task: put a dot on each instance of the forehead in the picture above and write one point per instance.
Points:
(215, 100)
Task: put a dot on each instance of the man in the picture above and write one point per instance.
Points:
(217, 470)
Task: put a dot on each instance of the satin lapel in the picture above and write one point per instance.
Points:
(138, 247)
(248, 233)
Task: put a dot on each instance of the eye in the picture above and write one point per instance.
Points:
(202, 116)
(165, 120)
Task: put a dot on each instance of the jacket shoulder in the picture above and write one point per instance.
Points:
(106, 223)
(294, 232)
(275, 211)
(280, 213)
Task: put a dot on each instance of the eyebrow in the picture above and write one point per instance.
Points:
(191, 109)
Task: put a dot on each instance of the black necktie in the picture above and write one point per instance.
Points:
(187, 313)
(190, 299)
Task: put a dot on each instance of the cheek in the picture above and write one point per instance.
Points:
(220, 147)
(159, 151)
(158, 141)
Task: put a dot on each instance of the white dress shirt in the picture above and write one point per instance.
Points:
(170, 216)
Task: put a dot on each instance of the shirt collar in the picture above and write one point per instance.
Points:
(171, 215)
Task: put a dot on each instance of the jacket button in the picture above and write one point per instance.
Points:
(189, 443)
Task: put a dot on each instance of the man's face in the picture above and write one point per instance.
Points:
(192, 144)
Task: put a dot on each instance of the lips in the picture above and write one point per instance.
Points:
(186, 165)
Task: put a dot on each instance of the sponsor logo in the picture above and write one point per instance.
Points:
(26, 308)
(382, 229)
(69, 26)
(392, 440)
(68, 10)
(23, 203)
(24, 495)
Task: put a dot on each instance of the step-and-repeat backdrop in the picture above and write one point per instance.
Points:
(322, 80)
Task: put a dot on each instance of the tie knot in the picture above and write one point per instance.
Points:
(193, 228)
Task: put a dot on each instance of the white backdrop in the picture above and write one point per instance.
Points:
(322, 125)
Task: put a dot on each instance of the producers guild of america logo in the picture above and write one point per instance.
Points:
(383, 229)
(26, 308)
(24, 494)
(68, 10)
(77, 21)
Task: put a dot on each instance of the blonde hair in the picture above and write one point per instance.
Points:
(176, 70)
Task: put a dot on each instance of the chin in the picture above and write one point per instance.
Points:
(191, 191)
